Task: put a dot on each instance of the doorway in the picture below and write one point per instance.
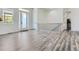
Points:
(24, 20)
(68, 25)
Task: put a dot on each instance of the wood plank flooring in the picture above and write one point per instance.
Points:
(40, 41)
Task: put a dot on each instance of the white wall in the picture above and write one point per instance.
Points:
(75, 19)
(35, 18)
(48, 19)
(7, 28)
(42, 16)
(50, 16)
(55, 16)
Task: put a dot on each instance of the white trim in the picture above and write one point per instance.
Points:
(24, 10)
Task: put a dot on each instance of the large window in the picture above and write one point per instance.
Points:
(8, 17)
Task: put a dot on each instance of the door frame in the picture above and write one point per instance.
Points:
(20, 19)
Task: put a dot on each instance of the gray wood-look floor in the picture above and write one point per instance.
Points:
(40, 41)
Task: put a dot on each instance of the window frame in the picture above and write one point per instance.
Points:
(7, 12)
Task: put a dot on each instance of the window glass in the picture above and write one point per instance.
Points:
(8, 18)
